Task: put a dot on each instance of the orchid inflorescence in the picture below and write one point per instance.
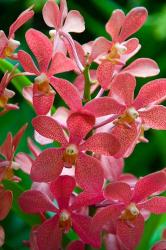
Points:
(78, 183)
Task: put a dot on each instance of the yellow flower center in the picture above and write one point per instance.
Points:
(130, 213)
(65, 221)
(43, 86)
(115, 53)
(11, 47)
(3, 101)
(70, 154)
(128, 117)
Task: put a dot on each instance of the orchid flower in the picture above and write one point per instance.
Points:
(8, 45)
(72, 150)
(66, 213)
(128, 205)
(40, 45)
(7, 150)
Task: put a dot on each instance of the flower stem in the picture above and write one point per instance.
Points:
(87, 95)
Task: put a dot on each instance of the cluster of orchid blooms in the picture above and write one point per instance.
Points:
(78, 183)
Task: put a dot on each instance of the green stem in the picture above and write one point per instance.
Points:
(88, 83)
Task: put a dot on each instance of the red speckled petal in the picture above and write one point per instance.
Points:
(49, 128)
(155, 117)
(22, 18)
(89, 173)
(153, 92)
(155, 183)
(34, 201)
(122, 88)
(115, 23)
(41, 47)
(155, 205)
(5, 203)
(67, 92)
(49, 235)
(27, 63)
(102, 143)
(79, 125)
(62, 189)
(118, 191)
(130, 235)
(133, 22)
(105, 73)
(48, 165)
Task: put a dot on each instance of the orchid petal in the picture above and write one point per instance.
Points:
(41, 47)
(34, 201)
(51, 14)
(48, 165)
(49, 128)
(27, 63)
(74, 22)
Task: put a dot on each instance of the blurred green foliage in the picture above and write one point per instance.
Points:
(146, 157)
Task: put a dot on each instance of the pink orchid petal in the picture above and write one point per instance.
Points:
(41, 47)
(122, 88)
(34, 201)
(41, 139)
(89, 173)
(161, 245)
(81, 225)
(118, 191)
(2, 236)
(22, 18)
(49, 235)
(131, 45)
(79, 125)
(68, 93)
(153, 92)
(115, 23)
(143, 67)
(102, 143)
(86, 199)
(62, 189)
(100, 46)
(3, 42)
(51, 14)
(127, 138)
(63, 10)
(130, 235)
(155, 205)
(155, 117)
(112, 167)
(74, 22)
(103, 216)
(133, 22)
(27, 63)
(49, 128)
(104, 106)
(130, 179)
(60, 63)
(76, 245)
(24, 161)
(42, 102)
(6, 148)
(17, 137)
(105, 73)
(48, 165)
(111, 242)
(27, 93)
(155, 182)
(33, 148)
(6, 198)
